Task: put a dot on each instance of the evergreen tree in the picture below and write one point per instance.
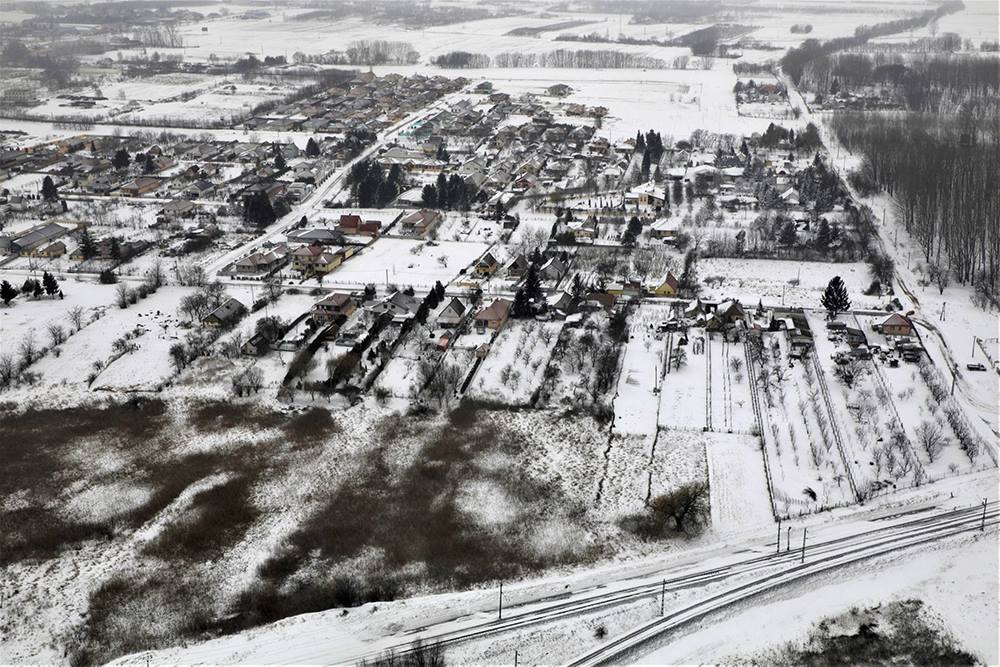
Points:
(115, 249)
(28, 287)
(458, 193)
(7, 292)
(439, 290)
(577, 287)
(787, 236)
(148, 166)
(429, 196)
(520, 307)
(312, 148)
(87, 246)
(835, 298)
(532, 285)
(279, 159)
(121, 159)
(442, 191)
(49, 190)
(640, 142)
(50, 283)
(38, 291)
(823, 235)
(644, 170)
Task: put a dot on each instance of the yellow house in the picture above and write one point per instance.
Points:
(667, 287)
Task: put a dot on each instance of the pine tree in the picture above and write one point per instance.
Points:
(38, 290)
(835, 298)
(7, 292)
(577, 287)
(28, 287)
(442, 191)
(49, 190)
(115, 249)
(520, 307)
(640, 142)
(279, 159)
(121, 159)
(532, 285)
(312, 148)
(148, 166)
(823, 235)
(50, 283)
(429, 196)
(787, 236)
(87, 247)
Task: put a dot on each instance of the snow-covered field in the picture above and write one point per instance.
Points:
(405, 262)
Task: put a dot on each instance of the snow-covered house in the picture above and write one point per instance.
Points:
(229, 312)
(452, 314)
(493, 316)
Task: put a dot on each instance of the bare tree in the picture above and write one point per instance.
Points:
(75, 316)
(8, 369)
(56, 333)
(28, 348)
(930, 435)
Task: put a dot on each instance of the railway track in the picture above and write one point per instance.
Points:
(774, 567)
(622, 645)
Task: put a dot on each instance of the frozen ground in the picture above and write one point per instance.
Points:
(957, 582)
(405, 262)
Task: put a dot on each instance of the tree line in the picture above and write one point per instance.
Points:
(943, 174)
(560, 58)
(793, 63)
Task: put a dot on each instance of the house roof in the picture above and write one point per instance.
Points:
(334, 300)
(495, 311)
(229, 309)
(896, 320)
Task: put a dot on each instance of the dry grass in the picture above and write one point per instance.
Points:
(412, 519)
(36, 447)
(218, 517)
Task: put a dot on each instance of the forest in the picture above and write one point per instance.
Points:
(932, 82)
(942, 172)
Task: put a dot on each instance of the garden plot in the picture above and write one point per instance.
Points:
(926, 421)
(774, 282)
(514, 368)
(732, 410)
(807, 470)
(737, 482)
(403, 376)
(584, 366)
(641, 373)
(876, 447)
(683, 390)
(677, 459)
(623, 485)
(406, 262)
(469, 227)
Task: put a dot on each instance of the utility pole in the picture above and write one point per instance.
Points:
(500, 605)
(515, 657)
(788, 539)
(974, 340)
(803, 545)
(982, 526)
(663, 587)
(778, 544)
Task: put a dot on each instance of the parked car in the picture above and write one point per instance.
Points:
(976, 367)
